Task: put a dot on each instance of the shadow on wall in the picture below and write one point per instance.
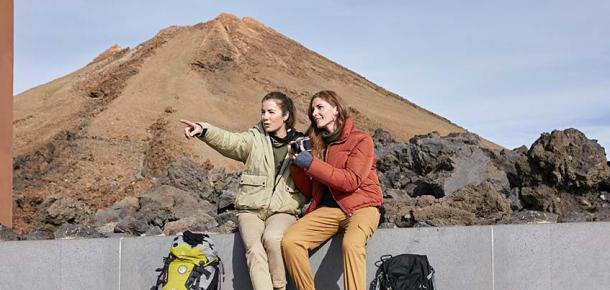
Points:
(328, 275)
(241, 276)
(330, 270)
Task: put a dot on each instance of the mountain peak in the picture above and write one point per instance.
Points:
(226, 18)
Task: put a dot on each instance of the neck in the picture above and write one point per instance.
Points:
(280, 133)
(331, 127)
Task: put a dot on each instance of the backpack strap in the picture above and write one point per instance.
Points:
(162, 278)
(193, 280)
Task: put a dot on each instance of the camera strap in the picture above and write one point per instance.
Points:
(278, 175)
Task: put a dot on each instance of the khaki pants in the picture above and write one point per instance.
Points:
(317, 227)
(262, 236)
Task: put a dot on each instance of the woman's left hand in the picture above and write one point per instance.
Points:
(302, 159)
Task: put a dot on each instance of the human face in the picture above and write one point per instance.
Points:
(272, 118)
(324, 114)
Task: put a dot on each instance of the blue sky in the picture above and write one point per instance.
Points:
(506, 70)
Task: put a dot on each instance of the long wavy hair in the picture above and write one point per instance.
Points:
(315, 133)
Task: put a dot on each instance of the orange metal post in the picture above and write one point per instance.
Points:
(6, 112)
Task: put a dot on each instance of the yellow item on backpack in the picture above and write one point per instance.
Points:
(192, 264)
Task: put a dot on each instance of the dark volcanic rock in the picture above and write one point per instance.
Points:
(153, 231)
(57, 210)
(454, 162)
(183, 204)
(40, 234)
(132, 226)
(576, 217)
(71, 231)
(203, 222)
(532, 217)
(126, 207)
(480, 204)
(225, 187)
(539, 198)
(187, 175)
(509, 161)
(7, 234)
(382, 138)
(568, 160)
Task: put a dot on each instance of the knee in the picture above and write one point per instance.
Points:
(289, 241)
(272, 242)
(351, 246)
(254, 247)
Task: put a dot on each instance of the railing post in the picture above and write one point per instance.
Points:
(6, 112)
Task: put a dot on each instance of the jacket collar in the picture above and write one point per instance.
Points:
(260, 128)
(347, 128)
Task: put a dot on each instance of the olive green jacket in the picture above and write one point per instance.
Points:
(259, 189)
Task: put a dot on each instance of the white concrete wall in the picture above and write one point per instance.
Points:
(503, 257)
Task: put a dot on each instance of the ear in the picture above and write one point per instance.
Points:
(335, 111)
(286, 116)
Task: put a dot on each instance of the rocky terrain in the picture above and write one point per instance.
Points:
(431, 180)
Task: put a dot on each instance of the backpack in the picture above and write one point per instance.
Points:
(403, 272)
(192, 264)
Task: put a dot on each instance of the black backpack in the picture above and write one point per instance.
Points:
(403, 272)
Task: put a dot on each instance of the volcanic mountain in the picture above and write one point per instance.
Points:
(105, 131)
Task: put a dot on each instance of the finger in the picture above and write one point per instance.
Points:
(187, 122)
(186, 133)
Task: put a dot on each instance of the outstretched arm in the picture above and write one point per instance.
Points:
(236, 146)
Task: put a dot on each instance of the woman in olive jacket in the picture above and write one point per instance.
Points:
(267, 199)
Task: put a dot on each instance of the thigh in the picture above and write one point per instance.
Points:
(316, 227)
(277, 224)
(361, 225)
(251, 229)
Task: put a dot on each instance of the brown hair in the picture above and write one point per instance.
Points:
(286, 105)
(315, 133)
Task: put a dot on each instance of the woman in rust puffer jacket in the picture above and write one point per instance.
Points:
(340, 177)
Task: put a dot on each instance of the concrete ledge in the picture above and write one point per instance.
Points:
(548, 256)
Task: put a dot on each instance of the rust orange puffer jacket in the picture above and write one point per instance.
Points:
(349, 170)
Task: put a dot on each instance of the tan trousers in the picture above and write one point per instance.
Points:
(317, 227)
(262, 236)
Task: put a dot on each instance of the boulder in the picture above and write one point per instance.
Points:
(7, 234)
(569, 160)
(451, 163)
(532, 217)
(478, 204)
(57, 210)
(201, 223)
(72, 231)
(131, 225)
(40, 234)
(126, 207)
(187, 175)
